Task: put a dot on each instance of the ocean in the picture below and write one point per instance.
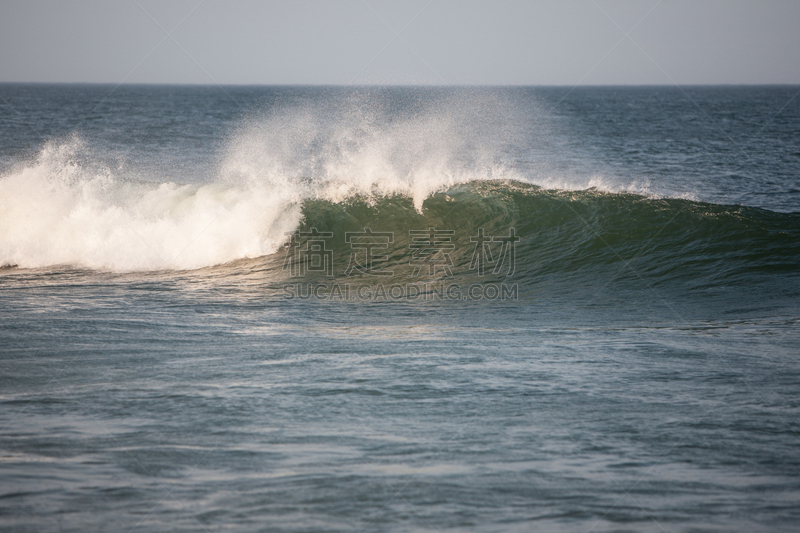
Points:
(229, 308)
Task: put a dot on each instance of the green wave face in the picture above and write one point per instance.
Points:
(573, 240)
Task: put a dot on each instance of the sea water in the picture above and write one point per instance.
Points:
(399, 309)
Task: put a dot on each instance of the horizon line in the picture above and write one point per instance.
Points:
(404, 85)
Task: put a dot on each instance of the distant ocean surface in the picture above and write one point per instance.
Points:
(399, 309)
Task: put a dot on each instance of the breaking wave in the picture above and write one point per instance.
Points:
(352, 164)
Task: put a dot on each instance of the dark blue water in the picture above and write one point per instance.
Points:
(164, 365)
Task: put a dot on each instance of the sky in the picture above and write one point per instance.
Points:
(444, 42)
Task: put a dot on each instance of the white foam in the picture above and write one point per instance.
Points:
(60, 211)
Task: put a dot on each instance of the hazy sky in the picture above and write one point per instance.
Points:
(563, 42)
